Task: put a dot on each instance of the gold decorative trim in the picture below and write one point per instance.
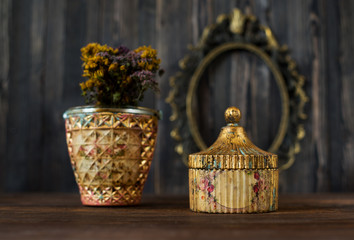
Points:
(232, 32)
(95, 109)
(232, 162)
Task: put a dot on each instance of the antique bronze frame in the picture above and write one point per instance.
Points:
(239, 32)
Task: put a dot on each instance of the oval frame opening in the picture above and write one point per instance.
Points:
(212, 55)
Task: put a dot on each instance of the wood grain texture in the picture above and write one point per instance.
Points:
(59, 83)
(306, 37)
(36, 90)
(5, 15)
(173, 19)
(344, 120)
(40, 69)
(61, 216)
(17, 139)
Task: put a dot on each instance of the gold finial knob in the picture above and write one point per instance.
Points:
(232, 115)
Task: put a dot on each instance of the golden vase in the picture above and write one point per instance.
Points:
(111, 150)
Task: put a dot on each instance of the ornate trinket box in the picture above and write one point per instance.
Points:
(233, 175)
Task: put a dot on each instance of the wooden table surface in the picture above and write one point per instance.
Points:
(61, 216)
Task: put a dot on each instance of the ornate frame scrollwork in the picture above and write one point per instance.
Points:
(239, 32)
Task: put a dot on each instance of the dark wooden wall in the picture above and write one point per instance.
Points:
(40, 69)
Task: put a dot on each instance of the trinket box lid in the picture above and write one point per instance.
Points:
(233, 149)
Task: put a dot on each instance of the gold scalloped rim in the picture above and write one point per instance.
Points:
(233, 161)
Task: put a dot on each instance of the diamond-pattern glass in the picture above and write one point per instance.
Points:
(111, 154)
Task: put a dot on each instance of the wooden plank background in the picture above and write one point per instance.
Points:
(40, 69)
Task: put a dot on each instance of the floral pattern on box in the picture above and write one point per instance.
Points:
(233, 191)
